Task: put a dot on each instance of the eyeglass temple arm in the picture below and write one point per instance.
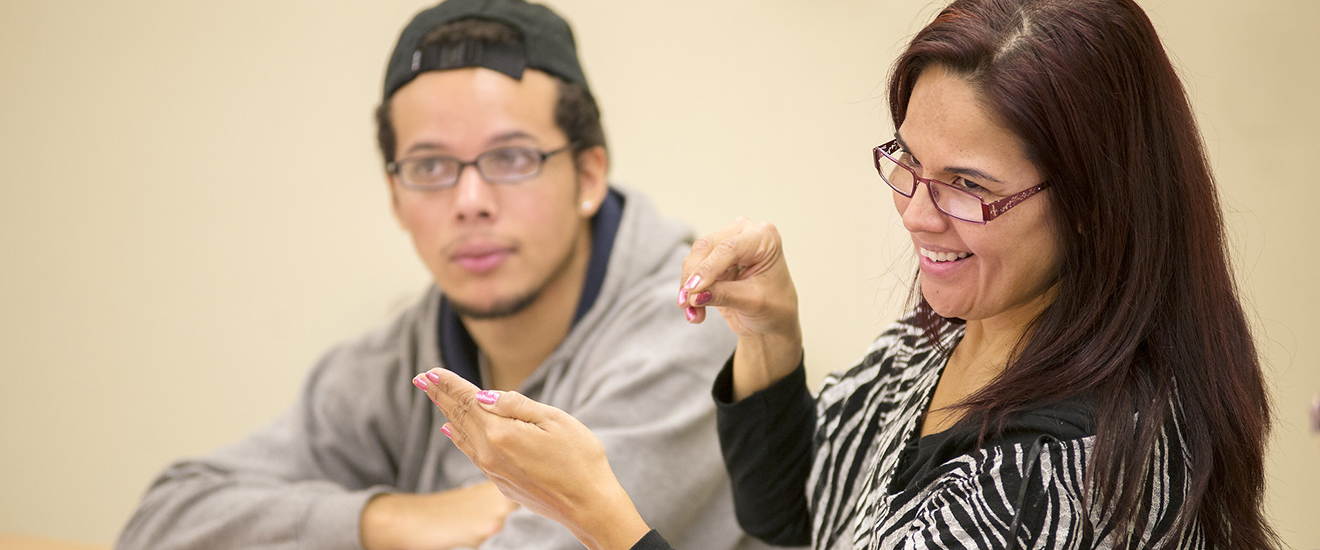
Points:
(995, 209)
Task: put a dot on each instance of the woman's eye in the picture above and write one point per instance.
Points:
(968, 185)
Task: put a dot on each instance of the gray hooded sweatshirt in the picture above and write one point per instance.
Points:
(631, 369)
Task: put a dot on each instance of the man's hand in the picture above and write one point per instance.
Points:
(457, 518)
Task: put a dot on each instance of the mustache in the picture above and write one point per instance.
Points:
(477, 240)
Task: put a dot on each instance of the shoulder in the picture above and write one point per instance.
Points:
(636, 324)
(378, 362)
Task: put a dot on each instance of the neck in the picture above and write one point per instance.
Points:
(516, 345)
(983, 353)
(988, 344)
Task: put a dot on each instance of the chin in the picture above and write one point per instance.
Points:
(493, 309)
(944, 308)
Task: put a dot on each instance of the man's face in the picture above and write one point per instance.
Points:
(492, 248)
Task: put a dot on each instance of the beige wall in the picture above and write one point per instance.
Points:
(191, 206)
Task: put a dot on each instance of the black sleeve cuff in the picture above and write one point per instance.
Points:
(766, 441)
(652, 541)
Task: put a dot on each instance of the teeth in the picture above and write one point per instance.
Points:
(943, 256)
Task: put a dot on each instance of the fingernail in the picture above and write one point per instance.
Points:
(421, 384)
(445, 430)
(433, 376)
(682, 296)
(693, 282)
(488, 397)
(691, 314)
(701, 299)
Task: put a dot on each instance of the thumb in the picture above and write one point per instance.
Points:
(514, 405)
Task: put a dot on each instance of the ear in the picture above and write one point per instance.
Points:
(593, 166)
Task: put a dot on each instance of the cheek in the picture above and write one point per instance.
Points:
(900, 202)
(417, 218)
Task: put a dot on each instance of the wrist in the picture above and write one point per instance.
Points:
(374, 524)
(762, 360)
(611, 523)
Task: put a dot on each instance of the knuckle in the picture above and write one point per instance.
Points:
(497, 437)
(727, 246)
(702, 243)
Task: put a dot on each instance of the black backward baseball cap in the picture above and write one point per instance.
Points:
(547, 43)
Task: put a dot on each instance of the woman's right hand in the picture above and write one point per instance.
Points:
(538, 456)
(740, 270)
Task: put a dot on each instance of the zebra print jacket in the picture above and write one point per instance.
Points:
(847, 450)
(866, 416)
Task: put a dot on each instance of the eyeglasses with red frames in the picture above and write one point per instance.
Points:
(896, 167)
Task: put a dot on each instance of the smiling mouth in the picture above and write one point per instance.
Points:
(942, 257)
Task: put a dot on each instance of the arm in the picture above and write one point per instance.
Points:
(766, 439)
(304, 479)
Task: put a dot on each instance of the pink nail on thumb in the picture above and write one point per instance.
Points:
(445, 430)
(488, 397)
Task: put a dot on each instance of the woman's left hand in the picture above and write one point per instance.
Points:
(539, 457)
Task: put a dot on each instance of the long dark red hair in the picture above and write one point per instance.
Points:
(1147, 316)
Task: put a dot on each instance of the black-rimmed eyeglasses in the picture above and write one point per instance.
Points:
(898, 168)
(504, 165)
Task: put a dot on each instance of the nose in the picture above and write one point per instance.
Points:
(919, 213)
(474, 198)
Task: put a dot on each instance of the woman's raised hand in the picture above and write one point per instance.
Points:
(741, 271)
(538, 456)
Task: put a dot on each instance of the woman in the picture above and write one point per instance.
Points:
(1077, 371)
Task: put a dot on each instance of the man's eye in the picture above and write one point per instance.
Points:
(428, 168)
(511, 161)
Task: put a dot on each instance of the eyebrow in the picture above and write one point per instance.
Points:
(974, 173)
(498, 139)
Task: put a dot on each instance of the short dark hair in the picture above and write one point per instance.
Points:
(576, 112)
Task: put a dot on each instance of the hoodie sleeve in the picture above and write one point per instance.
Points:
(299, 482)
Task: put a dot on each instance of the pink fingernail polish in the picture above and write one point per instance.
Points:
(701, 299)
(433, 377)
(445, 430)
(421, 384)
(691, 314)
(693, 282)
(488, 397)
(682, 296)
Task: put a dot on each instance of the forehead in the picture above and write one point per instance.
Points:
(948, 124)
(465, 110)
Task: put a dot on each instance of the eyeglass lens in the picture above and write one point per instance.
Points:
(499, 165)
(950, 200)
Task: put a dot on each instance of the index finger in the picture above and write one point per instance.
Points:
(455, 397)
(701, 250)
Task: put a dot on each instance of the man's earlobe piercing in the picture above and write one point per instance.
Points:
(586, 206)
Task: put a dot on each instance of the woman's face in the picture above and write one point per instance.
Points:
(972, 271)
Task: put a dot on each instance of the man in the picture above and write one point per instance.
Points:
(547, 281)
